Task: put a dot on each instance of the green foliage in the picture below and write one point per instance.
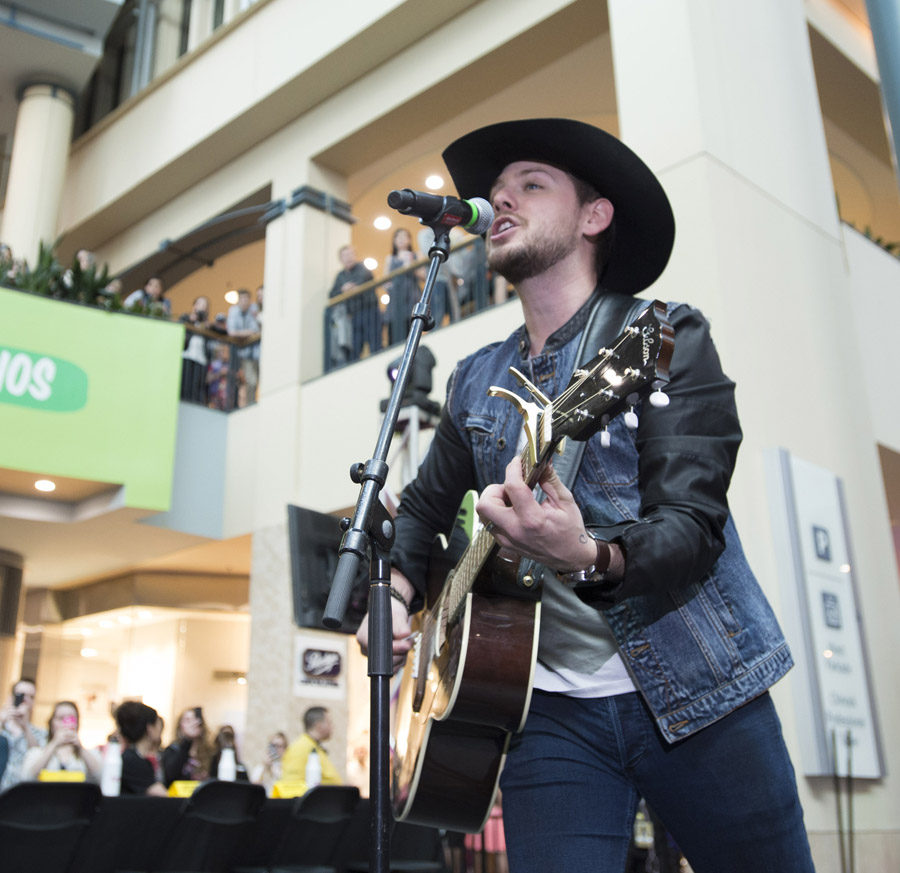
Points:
(49, 278)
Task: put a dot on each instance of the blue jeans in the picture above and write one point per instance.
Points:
(573, 777)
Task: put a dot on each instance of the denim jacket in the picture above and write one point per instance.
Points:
(691, 622)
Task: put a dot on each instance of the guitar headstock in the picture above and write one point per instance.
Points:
(636, 363)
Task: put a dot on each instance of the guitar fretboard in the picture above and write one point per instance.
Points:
(480, 547)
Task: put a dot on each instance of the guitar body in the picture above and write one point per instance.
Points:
(465, 688)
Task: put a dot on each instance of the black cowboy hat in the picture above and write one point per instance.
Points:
(644, 225)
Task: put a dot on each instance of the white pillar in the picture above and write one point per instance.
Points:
(37, 169)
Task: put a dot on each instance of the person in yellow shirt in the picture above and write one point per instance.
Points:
(305, 760)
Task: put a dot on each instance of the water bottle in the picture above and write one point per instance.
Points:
(313, 769)
(111, 772)
(227, 766)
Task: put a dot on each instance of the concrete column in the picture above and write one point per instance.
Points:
(300, 265)
(37, 168)
(11, 565)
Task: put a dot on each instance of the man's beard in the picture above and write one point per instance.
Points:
(519, 262)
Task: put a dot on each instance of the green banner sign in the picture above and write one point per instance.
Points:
(90, 395)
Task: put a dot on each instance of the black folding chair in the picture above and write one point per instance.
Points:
(313, 840)
(42, 823)
(211, 827)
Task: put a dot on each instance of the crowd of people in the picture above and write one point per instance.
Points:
(143, 764)
(362, 322)
(209, 375)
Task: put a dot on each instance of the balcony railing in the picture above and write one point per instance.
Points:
(219, 371)
(376, 315)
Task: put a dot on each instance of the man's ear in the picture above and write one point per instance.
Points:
(598, 216)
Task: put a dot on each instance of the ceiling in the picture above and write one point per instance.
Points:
(81, 533)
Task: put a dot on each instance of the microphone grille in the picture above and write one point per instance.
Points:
(485, 216)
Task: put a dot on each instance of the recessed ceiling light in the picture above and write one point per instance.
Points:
(382, 222)
(434, 182)
(145, 615)
(45, 485)
(106, 623)
(89, 653)
(231, 297)
(370, 263)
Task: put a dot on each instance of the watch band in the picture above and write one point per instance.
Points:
(596, 572)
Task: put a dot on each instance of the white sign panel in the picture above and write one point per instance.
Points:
(824, 627)
(320, 666)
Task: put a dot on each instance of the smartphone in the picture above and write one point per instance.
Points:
(69, 721)
(17, 700)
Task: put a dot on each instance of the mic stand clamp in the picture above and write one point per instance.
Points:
(371, 532)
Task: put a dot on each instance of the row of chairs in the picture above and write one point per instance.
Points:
(43, 828)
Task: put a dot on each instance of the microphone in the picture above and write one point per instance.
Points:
(475, 215)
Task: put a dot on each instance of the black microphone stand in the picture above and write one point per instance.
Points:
(371, 531)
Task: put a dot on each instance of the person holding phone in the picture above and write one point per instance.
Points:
(21, 735)
(63, 750)
(269, 772)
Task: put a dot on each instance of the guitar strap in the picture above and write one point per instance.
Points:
(610, 315)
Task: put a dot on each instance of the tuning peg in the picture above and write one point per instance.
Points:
(659, 399)
(605, 438)
(630, 417)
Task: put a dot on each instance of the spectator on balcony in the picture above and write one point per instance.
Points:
(259, 304)
(21, 735)
(151, 296)
(140, 728)
(365, 320)
(63, 751)
(404, 289)
(194, 357)
(443, 298)
(242, 324)
(217, 377)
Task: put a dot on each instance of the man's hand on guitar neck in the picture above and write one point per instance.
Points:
(551, 532)
(399, 621)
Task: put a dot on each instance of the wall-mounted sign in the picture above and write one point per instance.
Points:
(320, 664)
(822, 622)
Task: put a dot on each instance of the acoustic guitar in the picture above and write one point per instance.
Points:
(466, 686)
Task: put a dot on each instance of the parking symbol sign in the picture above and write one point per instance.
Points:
(822, 542)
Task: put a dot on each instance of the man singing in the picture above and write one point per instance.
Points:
(657, 645)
